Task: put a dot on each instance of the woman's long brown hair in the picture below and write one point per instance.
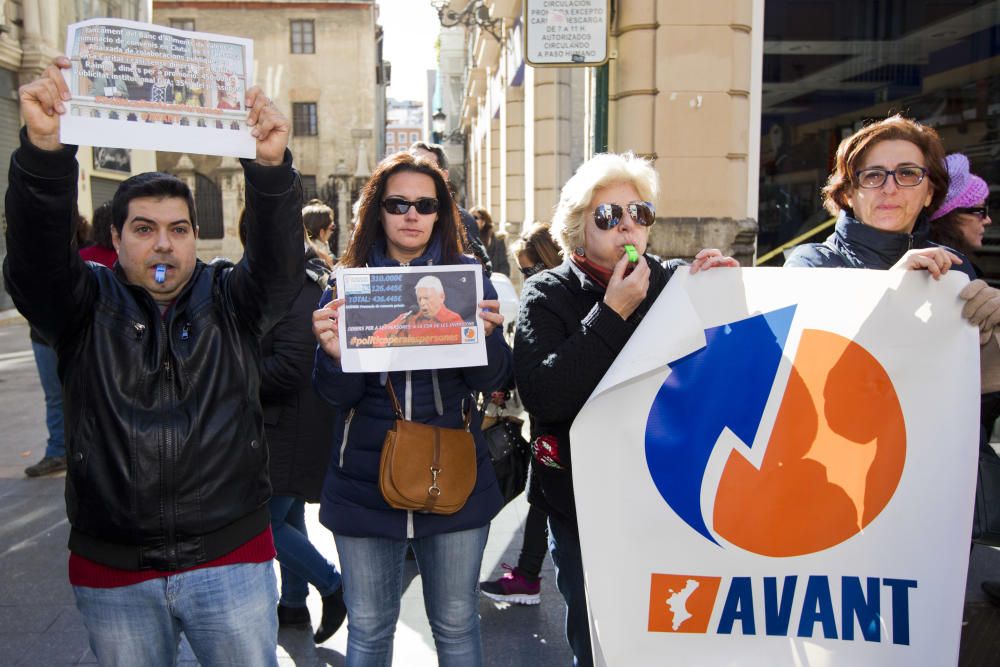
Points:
(370, 231)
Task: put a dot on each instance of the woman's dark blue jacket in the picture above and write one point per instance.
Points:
(351, 503)
(855, 245)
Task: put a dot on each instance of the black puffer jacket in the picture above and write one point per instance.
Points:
(855, 245)
(566, 340)
(299, 424)
(167, 464)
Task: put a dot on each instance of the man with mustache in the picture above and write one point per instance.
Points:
(167, 485)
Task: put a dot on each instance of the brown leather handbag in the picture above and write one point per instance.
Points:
(426, 468)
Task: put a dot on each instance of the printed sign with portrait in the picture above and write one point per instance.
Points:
(407, 318)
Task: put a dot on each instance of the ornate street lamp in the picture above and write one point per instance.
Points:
(476, 13)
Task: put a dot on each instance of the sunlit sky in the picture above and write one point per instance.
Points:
(411, 29)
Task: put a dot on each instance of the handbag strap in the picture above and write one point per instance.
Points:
(399, 411)
(392, 397)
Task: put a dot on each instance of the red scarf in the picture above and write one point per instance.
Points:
(598, 274)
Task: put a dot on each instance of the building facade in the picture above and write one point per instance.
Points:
(320, 63)
(404, 125)
(740, 104)
(32, 33)
(678, 89)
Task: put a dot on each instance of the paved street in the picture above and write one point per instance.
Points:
(39, 625)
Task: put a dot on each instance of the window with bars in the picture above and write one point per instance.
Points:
(303, 36)
(182, 24)
(304, 119)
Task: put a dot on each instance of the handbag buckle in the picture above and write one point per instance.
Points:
(434, 490)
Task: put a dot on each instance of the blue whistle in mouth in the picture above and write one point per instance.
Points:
(161, 273)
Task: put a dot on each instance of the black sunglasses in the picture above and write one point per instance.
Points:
(528, 271)
(982, 212)
(399, 206)
(607, 216)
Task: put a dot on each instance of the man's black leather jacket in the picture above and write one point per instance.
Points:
(167, 460)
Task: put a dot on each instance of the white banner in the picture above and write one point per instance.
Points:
(141, 85)
(779, 469)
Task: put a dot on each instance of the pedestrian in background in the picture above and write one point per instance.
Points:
(407, 218)
(960, 223)
(559, 356)
(102, 250)
(495, 241)
(471, 242)
(298, 425)
(535, 251)
(321, 232)
(167, 486)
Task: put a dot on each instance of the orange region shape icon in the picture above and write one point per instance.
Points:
(833, 462)
(681, 603)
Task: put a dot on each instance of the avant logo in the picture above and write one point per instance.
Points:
(834, 456)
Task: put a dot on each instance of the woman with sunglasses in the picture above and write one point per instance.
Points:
(535, 250)
(406, 218)
(960, 222)
(574, 320)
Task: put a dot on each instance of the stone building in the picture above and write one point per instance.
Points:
(678, 89)
(32, 33)
(739, 103)
(321, 64)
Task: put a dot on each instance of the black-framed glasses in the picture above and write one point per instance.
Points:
(981, 212)
(528, 271)
(607, 216)
(399, 206)
(909, 176)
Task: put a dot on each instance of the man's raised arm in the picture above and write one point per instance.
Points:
(48, 281)
(265, 283)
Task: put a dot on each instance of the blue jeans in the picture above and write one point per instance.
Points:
(301, 563)
(226, 613)
(564, 545)
(46, 362)
(373, 585)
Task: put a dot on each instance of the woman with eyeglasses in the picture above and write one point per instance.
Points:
(406, 218)
(888, 178)
(494, 241)
(574, 320)
(960, 222)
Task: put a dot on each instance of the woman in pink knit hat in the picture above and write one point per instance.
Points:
(960, 222)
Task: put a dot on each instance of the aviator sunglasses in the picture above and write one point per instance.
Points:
(607, 216)
(399, 206)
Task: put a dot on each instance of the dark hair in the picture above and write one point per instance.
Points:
(83, 233)
(946, 230)
(155, 184)
(487, 230)
(537, 244)
(317, 216)
(102, 226)
(853, 149)
(369, 229)
(437, 149)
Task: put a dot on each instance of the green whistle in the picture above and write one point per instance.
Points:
(633, 255)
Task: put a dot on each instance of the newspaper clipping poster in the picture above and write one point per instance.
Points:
(408, 318)
(139, 85)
